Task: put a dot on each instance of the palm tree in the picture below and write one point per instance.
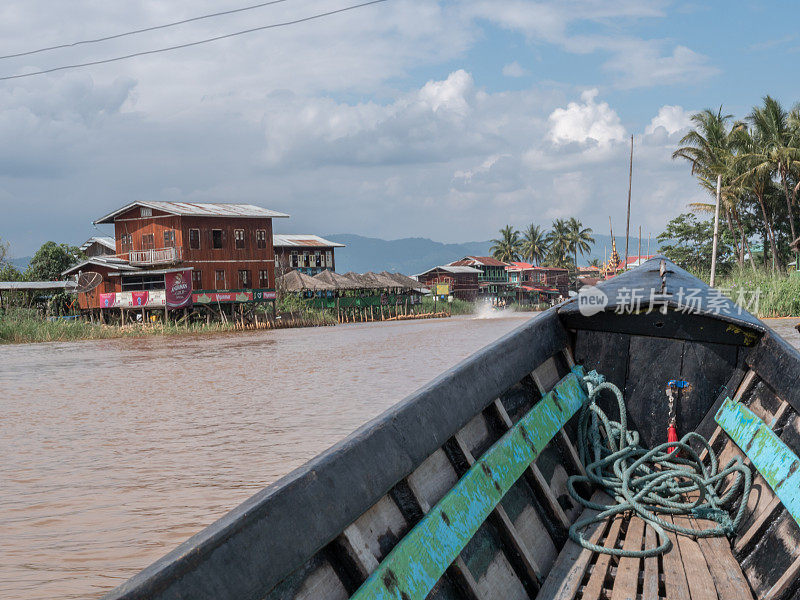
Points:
(580, 238)
(710, 148)
(558, 242)
(508, 246)
(534, 245)
(778, 149)
(756, 174)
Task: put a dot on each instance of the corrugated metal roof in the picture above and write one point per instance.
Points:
(451, 269)
(199, 209)
(489, 261)
(35, 285)
(308, 240)
(108, 242)
(102, 261)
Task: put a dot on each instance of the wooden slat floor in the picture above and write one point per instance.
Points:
(695, 569)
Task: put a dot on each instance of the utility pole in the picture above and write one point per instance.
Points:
(716, 234)
(628, 226)
(639, 258)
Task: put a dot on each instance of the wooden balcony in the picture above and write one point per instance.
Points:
(159, 256)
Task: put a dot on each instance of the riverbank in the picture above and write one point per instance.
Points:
(762, 293)
(26, 327)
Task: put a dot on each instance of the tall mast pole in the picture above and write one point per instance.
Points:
(639, 258)
(716, 234)
(628, 225)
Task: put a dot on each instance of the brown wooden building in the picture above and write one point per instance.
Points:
(462, 281)
(307, 253)
(224, 248)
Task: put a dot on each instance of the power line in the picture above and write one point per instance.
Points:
(144, 30)
(190, 44)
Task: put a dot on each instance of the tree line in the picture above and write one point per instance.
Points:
(758, 160)
(47, 264)
(558, 247)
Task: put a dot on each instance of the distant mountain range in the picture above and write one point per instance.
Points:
(415, 255)
(20, 263)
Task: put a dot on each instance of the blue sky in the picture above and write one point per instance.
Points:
(408, 118)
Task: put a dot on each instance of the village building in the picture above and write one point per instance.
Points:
(536, 285)
(170, 254)
(307, 253)
(633, 261)
(458, 281)
(493, 282)
(99, 246)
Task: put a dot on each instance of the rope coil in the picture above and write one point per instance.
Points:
(651, 482)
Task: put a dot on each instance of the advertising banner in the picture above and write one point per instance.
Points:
(178, 290)
(108, 300)
(140, 298)
(212, 297)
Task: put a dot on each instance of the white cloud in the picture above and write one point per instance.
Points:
(585, 122)
(514, 69)
(640, 63)
(672, 118)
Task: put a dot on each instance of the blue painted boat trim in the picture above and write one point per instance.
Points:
(776, 462)
(419, 560)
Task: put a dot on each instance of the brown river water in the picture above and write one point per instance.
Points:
(115, 451)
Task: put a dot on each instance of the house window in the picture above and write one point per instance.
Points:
(194, 239)
(244, 278)
(146, 212)
(197, 280)
(294, 260)
(317, 259)
(148, 241)
(169, 238)
(125, 242)
(263, 278)
(238, 238)
(219, 279)
(216, 238)
(329, 259)
(261, 238)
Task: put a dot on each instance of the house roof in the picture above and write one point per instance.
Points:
(198, 209)
(518, 266)
(108, 242)
(295, 281)
(339, 281)
(36, 285)
(487, 261)
(451, 269)
(634, 261)
(111, 262)
(301, 239)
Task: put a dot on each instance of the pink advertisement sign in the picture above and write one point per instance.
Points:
(139, 298)
(178, 288)
(108, 300)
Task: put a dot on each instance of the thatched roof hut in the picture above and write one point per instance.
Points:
(363, 282)
(404, 281)
(340, 282)
(381, 281)
(295, 281)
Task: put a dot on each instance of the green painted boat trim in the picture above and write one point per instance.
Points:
(776, 462)
(414, 566)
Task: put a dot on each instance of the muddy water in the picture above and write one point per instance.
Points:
(114, 452)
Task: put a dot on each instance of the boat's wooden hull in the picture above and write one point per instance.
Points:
(323, 530)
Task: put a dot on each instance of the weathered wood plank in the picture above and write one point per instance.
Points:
(726, 572)
(418, 561)
(698, 576)
(780, 586)
(567, 573)
(627, 578)
(777, 464)
(534, 475)
(674, 576)
(594, 587)
(533, 571)
(650, 578)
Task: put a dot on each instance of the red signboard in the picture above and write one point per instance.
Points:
(178, 288)
(108, 300)
(139, 298)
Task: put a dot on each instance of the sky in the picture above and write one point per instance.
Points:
(406, 118)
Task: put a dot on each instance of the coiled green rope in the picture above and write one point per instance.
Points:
(651, 482)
